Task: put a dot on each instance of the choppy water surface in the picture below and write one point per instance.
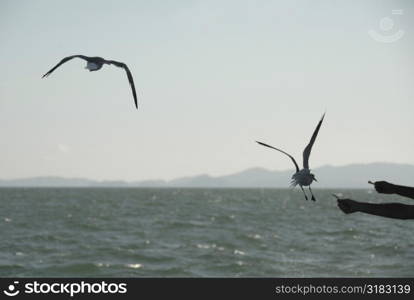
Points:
(197, 232)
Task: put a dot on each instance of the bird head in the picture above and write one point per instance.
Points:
(313, 177)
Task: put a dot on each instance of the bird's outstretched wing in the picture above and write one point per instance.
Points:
(291, 157)
(130, 79)
(63, 61)
(307, 151)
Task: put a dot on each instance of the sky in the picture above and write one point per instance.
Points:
(212, 77)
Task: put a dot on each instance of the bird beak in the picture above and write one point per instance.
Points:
(315, 179)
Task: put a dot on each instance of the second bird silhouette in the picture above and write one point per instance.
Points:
(302, 177)
(94, 64)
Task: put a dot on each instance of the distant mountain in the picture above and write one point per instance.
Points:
(349, 176)
(47, 181)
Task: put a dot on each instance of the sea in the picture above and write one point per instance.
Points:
(149, 232)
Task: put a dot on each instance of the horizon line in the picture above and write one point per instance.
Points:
(189, 176)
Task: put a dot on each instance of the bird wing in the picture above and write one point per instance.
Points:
(307, 151)
(63, 61)
(130, 79)
(291, 157)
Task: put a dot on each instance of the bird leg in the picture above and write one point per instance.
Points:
(313, 197)
(306, 197)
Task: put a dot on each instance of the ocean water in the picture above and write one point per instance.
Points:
(197, 233)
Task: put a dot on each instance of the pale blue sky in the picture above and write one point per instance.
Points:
(212, 77)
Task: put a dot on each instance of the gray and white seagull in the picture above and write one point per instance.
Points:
(302, 177)
(94, 64)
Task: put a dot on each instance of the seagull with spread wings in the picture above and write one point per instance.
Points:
(94, 64)
(302, 177)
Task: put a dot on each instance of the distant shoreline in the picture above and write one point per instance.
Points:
(353, 176)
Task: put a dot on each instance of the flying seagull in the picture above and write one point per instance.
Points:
(94, 64)
(302, 177)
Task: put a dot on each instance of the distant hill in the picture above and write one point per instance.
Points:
(349, 176)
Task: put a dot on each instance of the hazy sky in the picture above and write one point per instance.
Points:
(212, 77)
